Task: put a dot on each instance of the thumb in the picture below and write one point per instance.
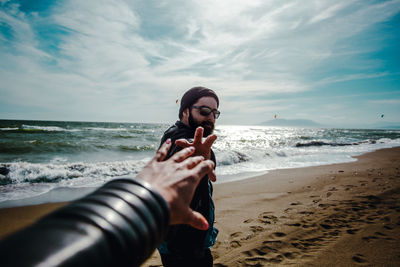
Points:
(196, 220)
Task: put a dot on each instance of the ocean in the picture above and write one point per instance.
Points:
(37, 157)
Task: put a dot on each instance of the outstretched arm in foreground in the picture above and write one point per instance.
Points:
(120, 224)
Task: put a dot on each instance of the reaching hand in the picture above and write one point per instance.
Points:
(176, 180)
(202, 148)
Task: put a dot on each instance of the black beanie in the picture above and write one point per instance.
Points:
(192, 95)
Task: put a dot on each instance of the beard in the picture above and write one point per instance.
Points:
(207, 125)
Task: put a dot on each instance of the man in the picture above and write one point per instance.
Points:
(185, 245)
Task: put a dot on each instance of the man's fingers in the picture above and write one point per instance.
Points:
(162, 151)
(210, 140)
(182, 143)
(197, 221)
(183, 154)
(198, 135)
(212, 176)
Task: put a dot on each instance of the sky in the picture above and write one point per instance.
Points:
(334, 62)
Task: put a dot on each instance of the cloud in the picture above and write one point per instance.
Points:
(118, 58)
(351, 77)
(386, 102)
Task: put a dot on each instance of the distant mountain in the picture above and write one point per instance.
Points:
(284, 122)
(385, 125)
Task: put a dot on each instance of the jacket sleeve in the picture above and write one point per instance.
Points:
(120, 224)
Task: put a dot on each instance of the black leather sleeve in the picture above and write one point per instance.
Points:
(120, 224)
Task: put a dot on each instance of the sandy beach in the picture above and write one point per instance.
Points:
(336, 215)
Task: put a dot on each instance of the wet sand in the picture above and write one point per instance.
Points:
(335, 215)
(13, 219)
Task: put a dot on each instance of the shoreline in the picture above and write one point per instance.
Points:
(67, 194)
(301, 216)
(55, 195)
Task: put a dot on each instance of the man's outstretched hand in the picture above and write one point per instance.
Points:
(201, 148)
(176, 180)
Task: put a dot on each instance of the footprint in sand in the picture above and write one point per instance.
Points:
(266, 218)
(276, 259)
(236, 234)
(359, 258)
(324, 206)
(349, 187)
(315, 201)
(291, 255)
(352, 231)
(288, 209)
(307, 244)
(376, 179)
(235, 244)
(306, 212)
(255, 252)
(388, 227)
(257, 257)
(309, 225)
(369, 238)
(256, 229)
(380, 234)
(278, 234)
(272, 245)
(326, 226)
(293, 224)
(255, 261)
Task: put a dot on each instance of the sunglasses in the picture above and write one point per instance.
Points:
(205, 111)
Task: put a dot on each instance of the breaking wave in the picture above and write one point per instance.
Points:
(25, 172)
